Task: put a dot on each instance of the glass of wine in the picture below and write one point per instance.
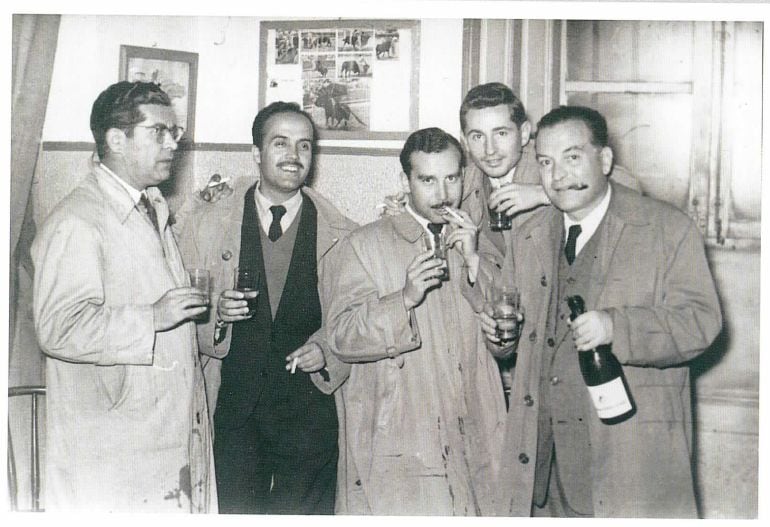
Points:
(201, 280)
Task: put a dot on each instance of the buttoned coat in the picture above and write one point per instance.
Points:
(413, 373)
(651, 275)
(128, 428)
(211, 239)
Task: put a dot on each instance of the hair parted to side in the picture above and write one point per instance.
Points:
(118, 107)
(489, 95)
(431, 141)
(595, 121)
(258, 127)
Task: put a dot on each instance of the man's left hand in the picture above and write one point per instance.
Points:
(592, 329)
(517, 197)
(310, 358)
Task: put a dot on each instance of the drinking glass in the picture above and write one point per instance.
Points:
(440, 252)
(507, 312)
(247, 280)
(201, 280)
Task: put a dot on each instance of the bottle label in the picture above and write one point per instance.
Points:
(610, 399)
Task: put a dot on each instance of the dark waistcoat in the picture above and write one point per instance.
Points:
(254, 378)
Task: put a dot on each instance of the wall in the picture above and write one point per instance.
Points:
(228, 66)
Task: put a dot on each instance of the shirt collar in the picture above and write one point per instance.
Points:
(136, 195)
(497, 182)
(590, 223)
(292, 206)
(419, 219)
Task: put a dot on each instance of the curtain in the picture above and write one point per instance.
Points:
(34, 47)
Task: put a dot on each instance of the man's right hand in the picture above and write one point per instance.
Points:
(422, 274)
(517, 197)
(232, 306)
(176, 306)
(488, 323)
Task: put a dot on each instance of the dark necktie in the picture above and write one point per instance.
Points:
(435, 228)
(275, 227)
(146, 204)
(569, 249)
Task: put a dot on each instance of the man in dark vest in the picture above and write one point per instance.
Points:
(269, 375)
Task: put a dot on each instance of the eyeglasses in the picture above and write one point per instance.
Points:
(159, 130)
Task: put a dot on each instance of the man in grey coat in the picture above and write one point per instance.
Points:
(640, 266)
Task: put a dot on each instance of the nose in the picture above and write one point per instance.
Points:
(489, 147)
(558, 172)
(442, 191)
(169, 141)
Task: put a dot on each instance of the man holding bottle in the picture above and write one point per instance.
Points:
(640, 266)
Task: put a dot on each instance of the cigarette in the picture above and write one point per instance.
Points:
(294, 365)
(217, 183)
(453, 214)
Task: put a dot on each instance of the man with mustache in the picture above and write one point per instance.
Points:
(640, 266)
(423, 407)
(127, 424)
(269, 375)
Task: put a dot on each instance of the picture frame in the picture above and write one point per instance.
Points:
(358, 79)
(175, 71)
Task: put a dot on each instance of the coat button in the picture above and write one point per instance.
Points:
(550, 342)
(523, 458)
(528, 400)
(555, 380)
(198, 417)
(543, 281)
(533, 336)
(358, 482)
(227, 255)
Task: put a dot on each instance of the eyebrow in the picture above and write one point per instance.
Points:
(279, 136)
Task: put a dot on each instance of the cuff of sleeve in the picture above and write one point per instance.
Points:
(404, 335)
(620, 335)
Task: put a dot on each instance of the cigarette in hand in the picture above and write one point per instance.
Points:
(294, 365)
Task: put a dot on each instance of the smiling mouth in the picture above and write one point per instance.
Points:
(290, 167)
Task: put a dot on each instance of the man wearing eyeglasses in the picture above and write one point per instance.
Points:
(128, 427)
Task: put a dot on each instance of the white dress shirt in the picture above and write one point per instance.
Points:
(266, 217)
(590, 223)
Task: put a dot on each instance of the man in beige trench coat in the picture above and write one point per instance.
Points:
(422, 411)
(127, 422)
(640, 266)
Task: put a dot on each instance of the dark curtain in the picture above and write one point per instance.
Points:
(34, 48)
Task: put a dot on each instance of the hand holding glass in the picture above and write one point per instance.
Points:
(507, 312)
(440, 252)
(247, 281)
(201, 280)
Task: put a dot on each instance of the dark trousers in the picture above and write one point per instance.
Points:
(264, 467)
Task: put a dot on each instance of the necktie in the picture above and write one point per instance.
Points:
(436, 228)
(275, 227)
(146, 204)
(569, 249)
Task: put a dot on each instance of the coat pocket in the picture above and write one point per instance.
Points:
(113, 384)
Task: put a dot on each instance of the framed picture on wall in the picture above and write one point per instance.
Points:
(358, 79)
(175, 71)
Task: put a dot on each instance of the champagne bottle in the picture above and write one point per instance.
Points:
(603, 376)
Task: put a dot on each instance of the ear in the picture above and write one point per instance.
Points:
(255, 153)
(404, 179)
(526, 130)
(115, 139)
(606, 158)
